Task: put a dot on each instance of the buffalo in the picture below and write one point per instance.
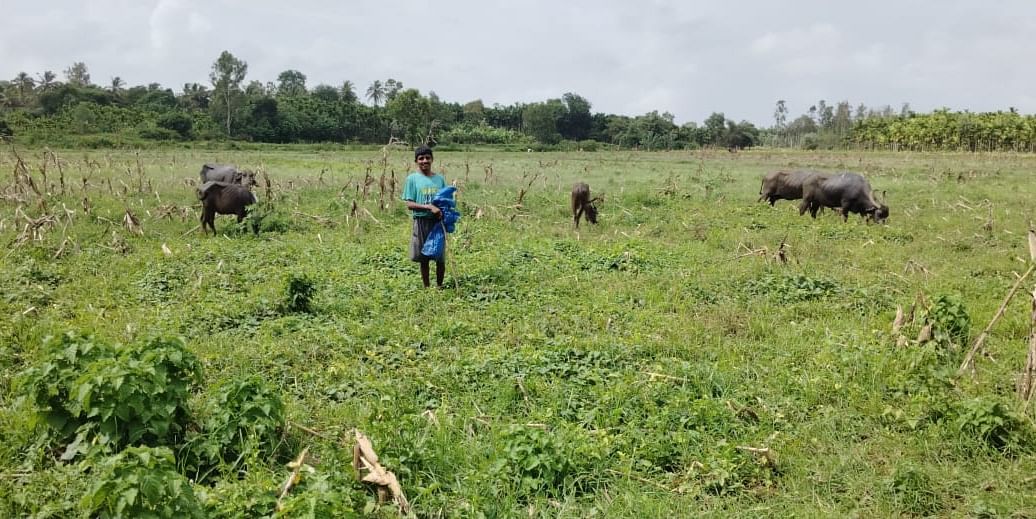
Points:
(847, 192)
(583, 204)
(226, 173)
(784, 185)
(223, 198)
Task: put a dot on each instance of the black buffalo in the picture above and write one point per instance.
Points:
(784, 185)
(223, 198)
(226, 173)
(847, 192)
(583, 204)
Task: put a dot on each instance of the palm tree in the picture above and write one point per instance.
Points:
(376, 92)
(47, 80)
(24, 83)
(117, 84)
(348, 92)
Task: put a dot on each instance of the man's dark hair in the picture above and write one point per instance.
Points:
(422, 150)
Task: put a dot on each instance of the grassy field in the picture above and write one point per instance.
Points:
(666, 362)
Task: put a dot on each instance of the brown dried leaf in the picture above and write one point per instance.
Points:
(897, 323)
(925, 335)
(1032, 243)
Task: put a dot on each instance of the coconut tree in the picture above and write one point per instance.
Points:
(46, 80)
(376, 92)
(348, 92)
(24, 85)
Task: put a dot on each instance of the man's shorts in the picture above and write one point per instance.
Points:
(423, 226)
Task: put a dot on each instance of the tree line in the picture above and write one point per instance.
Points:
(76, 111)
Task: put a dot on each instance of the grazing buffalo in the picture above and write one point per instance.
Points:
(784, 185)
(223, 198)
(226, 173)
(849, 192)
(583, 204)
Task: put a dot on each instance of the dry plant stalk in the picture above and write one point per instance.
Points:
(368, 179)
(969, 359)
(925, 334)
(296, 467)
(780, 255)
(267, 185)
(765, 452)
(132, 223)
(522, 192)
(1032, 243)
(1027, 383)
(366, 460)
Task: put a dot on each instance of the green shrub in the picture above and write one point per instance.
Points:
(913, 491)
(245, 417)
(792, 288)
(141, 482)
(950, 321)
(994, 424)
(534, 461)
(109, 397)
(298, 293)
(178, 122)
(726, 471)
(158, 134)
(51, 384)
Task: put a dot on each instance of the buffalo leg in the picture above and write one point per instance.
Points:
(578, 215)
(208, 217)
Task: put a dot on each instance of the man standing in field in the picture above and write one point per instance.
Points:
(421, 186)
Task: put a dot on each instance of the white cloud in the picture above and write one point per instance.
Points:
(817, 38)
(687, 58)
(174, 23)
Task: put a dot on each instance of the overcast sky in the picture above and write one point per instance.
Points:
(627, 57)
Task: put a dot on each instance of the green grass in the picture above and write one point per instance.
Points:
(612, 371)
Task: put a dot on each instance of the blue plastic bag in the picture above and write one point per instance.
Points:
(435, 243)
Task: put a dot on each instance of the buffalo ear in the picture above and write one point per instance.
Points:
(883, 195)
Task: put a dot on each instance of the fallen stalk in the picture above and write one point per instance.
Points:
(969, 360)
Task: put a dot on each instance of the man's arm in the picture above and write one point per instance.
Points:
(414, 206)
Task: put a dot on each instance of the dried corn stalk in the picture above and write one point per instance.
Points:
(365, 461)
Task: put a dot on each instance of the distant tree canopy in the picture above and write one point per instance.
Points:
(40, 108)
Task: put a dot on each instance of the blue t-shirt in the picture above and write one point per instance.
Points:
(421, 189)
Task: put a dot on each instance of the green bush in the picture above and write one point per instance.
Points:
(245, 417)
(179, 122)
(950, 321)
(726, 471)
(792, 288)
(298, 293)
(483, 134)
(51, 384)
(913, 491)
(110, 397)
(141, 482)
(158, 134)
(536, 461)
(994, 424)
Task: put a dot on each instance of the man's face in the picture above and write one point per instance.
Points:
(424, 163)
